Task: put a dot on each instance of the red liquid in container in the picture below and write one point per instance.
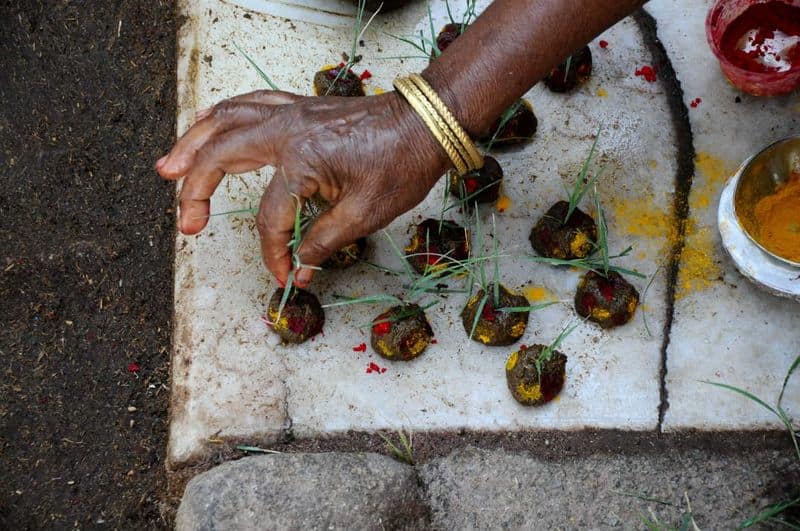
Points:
(757, 44)
(765, 38)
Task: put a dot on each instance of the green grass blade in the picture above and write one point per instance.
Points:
(579, 188)
(449, 13)
(286, 292)
(768, 513)
(744, 394)
(602, 231)
(548, 351)
(794, 366)
(496, 256)
(504, 119)
(478, 312)
(521, 309)
(434, 45)
(370, 299)
(261, 73)
(252, 210)
(401, 256)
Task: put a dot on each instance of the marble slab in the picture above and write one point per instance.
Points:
(232, 381)
(725, 329)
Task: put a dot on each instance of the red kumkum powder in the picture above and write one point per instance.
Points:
(360, 348)
(648, 73)
(382, 328)
(603, 44)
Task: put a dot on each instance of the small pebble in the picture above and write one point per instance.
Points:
(70, 482)
(131, 409)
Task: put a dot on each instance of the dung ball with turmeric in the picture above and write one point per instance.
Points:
(300, 319)
(334, 81)
(607, 300)
(401, 333)
(494, 327)
(518, 129)
(479, 186)
(435, 243)
(535, 374)
(573, 71)
(557, 236)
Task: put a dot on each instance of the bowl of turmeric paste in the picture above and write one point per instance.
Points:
(766, 200)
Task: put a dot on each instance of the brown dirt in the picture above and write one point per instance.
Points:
(87, 91)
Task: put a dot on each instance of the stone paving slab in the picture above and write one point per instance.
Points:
(230, 379)
(725, 329)
(483, 489)
(304, 491)
(487, 489)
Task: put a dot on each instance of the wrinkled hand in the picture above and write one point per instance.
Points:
(371, 158)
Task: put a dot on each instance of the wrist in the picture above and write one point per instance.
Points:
(420, 140)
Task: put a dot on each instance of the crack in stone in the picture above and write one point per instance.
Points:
(683, 183)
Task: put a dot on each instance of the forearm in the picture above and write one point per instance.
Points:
(510, 47)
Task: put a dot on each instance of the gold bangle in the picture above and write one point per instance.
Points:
(441, 125)
(471, 154)
(428, 115)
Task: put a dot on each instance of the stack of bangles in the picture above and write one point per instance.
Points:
(441, 122)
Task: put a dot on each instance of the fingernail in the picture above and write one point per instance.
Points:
(304, 276)
(202, 113)
(160, 162)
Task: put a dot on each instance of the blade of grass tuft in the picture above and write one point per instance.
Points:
(437, 52)
(581, 185)
(370, 299)
(406, 266)
(521, 309)
(791, 370)
(567, 67)
(261, 73)
(504, 119)
(744, 393)
(495, 254)
(769, 513)
(478, 312)
(602, 231)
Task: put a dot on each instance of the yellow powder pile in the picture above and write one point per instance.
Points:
(536, 294)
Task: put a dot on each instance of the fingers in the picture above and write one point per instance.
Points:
(236, 151)
(224, 117)
(333, 230)
(260, 97)
(275, 222)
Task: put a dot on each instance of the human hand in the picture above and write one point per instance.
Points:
(371, 158)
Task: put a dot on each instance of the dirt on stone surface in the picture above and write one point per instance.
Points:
(87, 91)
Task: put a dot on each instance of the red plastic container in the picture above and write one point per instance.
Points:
(722, 14)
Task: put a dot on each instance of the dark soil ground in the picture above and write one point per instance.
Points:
(87, 92)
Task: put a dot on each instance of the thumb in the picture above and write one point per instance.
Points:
(331, 231)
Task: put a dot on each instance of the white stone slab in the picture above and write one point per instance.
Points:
(724, 330)
(231, 381)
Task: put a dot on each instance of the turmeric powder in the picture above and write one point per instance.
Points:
(778, 220)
